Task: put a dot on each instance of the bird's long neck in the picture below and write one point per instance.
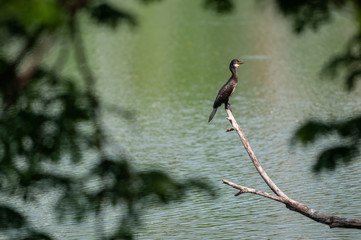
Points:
(234, 74)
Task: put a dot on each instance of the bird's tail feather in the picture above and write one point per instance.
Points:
(212, 114)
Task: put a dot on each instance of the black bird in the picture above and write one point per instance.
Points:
(226, 91)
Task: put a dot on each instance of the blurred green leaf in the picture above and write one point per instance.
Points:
(34, 235)
(161, 185)
(110, 16)
(349, 132)
(332, 157)
(220, 6)
(10, 218)
(309, 13)
(348, 62)
(31, 14)
(310, 131)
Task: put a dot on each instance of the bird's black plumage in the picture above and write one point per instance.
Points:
(226, 91)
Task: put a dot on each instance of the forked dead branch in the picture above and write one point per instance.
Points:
(331, 220)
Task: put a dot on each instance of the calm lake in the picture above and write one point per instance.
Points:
(168, 70)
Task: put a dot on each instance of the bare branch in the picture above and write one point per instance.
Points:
(331, 220)
(251, 190)
(252, 155)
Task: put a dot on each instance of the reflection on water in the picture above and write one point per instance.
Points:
(258, 57)
(168, 72)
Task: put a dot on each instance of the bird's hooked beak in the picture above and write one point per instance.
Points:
(240, 62)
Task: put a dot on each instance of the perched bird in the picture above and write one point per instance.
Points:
(226, 91)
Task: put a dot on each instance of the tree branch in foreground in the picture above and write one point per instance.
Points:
(331, 220)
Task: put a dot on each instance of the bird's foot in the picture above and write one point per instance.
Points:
(228, 106)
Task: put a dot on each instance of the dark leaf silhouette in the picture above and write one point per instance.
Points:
(310, 131)
(331, 157)
(309, 13)
(108, 15)
(10, 218)
(220, 6)
(348, 130)
(347, 63)
(34, 235)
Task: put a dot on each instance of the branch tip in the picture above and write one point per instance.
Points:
(239, 193)
(230, 129)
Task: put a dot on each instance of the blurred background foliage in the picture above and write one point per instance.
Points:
(346, 66)
(49, 120)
